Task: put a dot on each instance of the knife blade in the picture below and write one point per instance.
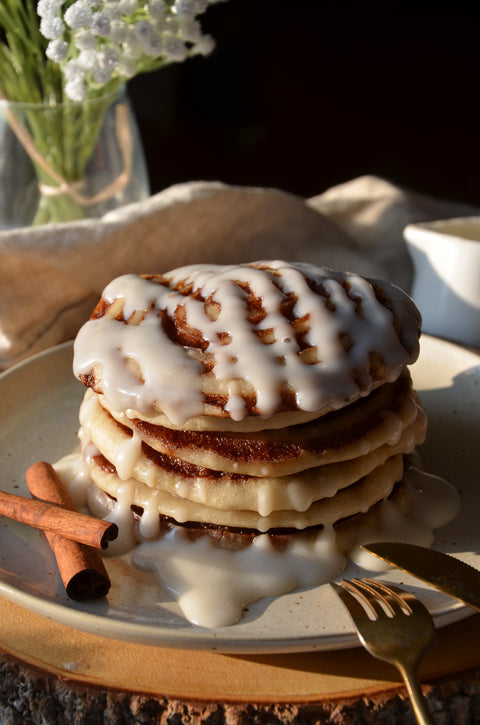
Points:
(442, 571)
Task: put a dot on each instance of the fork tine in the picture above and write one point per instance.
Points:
(356, 610)
(370, 597)
(392, 597)
(403, 598)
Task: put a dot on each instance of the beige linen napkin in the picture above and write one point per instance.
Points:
(52, 276)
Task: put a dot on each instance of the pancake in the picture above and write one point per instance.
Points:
(345, 434)
(347, 530)
(234, 491)
(365, 493)
(260, 397)
(245, 341)
(135, 459)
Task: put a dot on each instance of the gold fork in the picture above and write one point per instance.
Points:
(397, 629)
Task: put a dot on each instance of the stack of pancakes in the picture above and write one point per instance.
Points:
(269, 397)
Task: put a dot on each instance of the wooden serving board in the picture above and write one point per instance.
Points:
(49, 668)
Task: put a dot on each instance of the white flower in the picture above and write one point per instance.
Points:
(87, 59)
(119, 37)
(118, 31)
(57, 50)
(156, 8)
(73, 71)
(189, 8)
(100, 24)
(85, 40)
(190, 29)
(51, 27)
(174, 48)
(169, 24)
(153, 46)
(127, 67)
(151, 41)
(112, 10)
(78, 15)
(76, 90)
(204, 46)
(48, 7)
(106, 62)
(127, 7)
(143, 30)
(132, 47)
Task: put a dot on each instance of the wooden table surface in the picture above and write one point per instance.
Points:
(63, 675)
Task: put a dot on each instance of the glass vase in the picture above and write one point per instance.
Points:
(63, 162)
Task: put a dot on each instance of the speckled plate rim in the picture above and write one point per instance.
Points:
(38, 420)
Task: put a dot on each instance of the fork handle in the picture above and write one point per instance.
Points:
(417, 698)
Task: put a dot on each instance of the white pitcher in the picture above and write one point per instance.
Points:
(446, 286)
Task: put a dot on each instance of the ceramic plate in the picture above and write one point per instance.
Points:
(39, 402)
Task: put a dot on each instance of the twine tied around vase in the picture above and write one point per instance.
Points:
(70, 189)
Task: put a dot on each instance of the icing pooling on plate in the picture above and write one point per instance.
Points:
(212, 585)
(265, 353)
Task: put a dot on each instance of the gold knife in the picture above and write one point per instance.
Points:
(442, 571)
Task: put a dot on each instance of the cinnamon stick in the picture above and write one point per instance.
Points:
(52, 517)
(81, 566)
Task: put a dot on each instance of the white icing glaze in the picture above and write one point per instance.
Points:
(393, 425)
(127, 456)
(121, 514)
(213, 585)
(435, 510)
(435, 503)
(71, 470)
(170, 376)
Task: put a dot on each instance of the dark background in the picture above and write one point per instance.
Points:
(304, 94)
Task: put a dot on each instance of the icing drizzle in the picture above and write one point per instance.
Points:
(335, 311)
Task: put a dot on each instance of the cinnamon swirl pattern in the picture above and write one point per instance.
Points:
(260, 398)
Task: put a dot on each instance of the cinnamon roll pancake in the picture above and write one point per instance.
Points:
(245, 341)
(250, 426)
(259, 398)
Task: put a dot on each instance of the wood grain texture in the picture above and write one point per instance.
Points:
(50, 673)
(30, 696)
